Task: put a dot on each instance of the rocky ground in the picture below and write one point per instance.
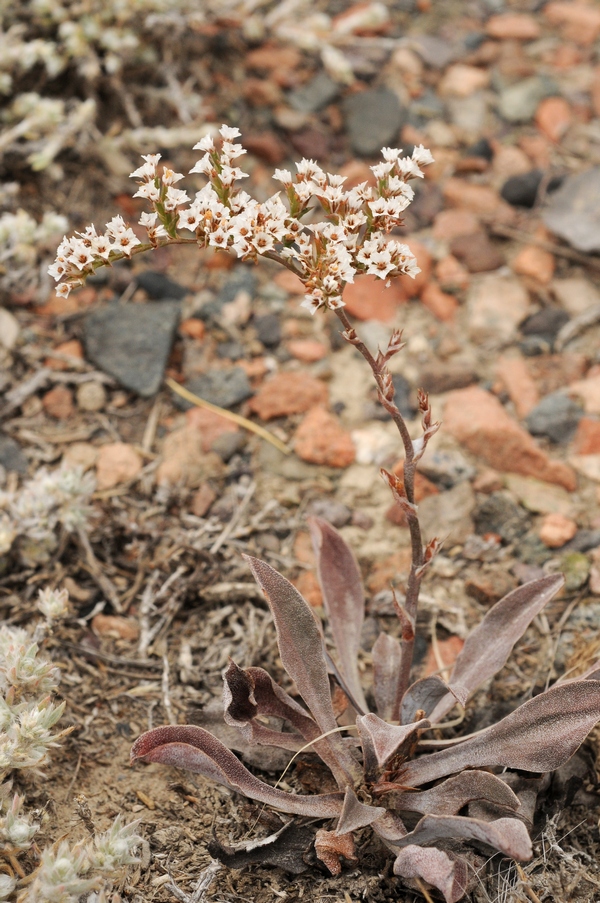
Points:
(502, 329)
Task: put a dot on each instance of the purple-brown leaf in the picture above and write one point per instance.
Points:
(508, 835)
(436, 868)
(387, 655)
(251, 692)
(424, 695)
(303, 656)
(355, 814)
(487, 648)
(539, 736)
(343, 597)
(451, 795)
(194, 749)
(384, 740)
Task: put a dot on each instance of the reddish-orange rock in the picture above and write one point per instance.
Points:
(308, 586)
(534, 263)
(448, 651)
(478, 421)
(579, 22)
(321, 439)
(440, 303)
(587, 437)
(184, 462)
(479, 199)
(556, 530)
(368, 298)
(210, 426)
(307, 350)
(193, 328)
(115, 626)
(487, 481)
(58, 402)
(71, 349)
(451, 274)
(513, 27)
(289, 282)
(355, 172)
(553, 117)
(116, 463)
(519, 384)
(449, 224)
(273, 56)
(202, 499)
(57, 306)
(303, 548)
(537, 148)
(461, 80)
(267, 146)
(390, 571)
(287, 393)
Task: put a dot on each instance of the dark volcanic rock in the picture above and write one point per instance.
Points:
(546, 323)
(132, 342)
(522, 191)
(268, 330)
(373, 120)
(500, 514)
(11, 455)
(556, 416)
(159, 287)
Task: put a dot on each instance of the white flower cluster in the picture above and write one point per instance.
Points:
(325, 255)
(31, 514)
(78, 257)
(66, 872)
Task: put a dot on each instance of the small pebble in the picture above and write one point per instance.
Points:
(91, 396)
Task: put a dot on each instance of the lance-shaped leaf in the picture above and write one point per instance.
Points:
(303, 655)
(380, 741)
(387, 655)
(508, 835)
(450, 876)
(194, 749)
(539, 736)
(424, 695)
(487, 648)
(355, 814)
(343, 597)
(451, 795)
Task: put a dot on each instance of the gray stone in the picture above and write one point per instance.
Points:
(225, 388)
(499, 513)
(229, 444)
(159, 287)
(435, 52)
(315, 94)
(11, 456)
(231, 351)
(556, 416)
(132, 342)
(449, 514)
(532, 551)
(496, 305)
(447, 468)
(573, 213)
(268, 330)
(335, 513)
(584, 541)
(546, 323)
(519, 102)
(468, 113)
(373, 120)
(427, 106)
(242, 279)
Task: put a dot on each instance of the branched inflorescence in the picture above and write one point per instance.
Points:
(350, 240)
(427, 808)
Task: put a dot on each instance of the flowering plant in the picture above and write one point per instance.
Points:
(427, 809)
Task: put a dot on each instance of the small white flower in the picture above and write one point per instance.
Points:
(169, 177)
(284, 176)
(422, 156)
(174, 198)
(148, 220)
(205, 144)
(204, 166)
(149, 191)
(229, 133)
(382, 170)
